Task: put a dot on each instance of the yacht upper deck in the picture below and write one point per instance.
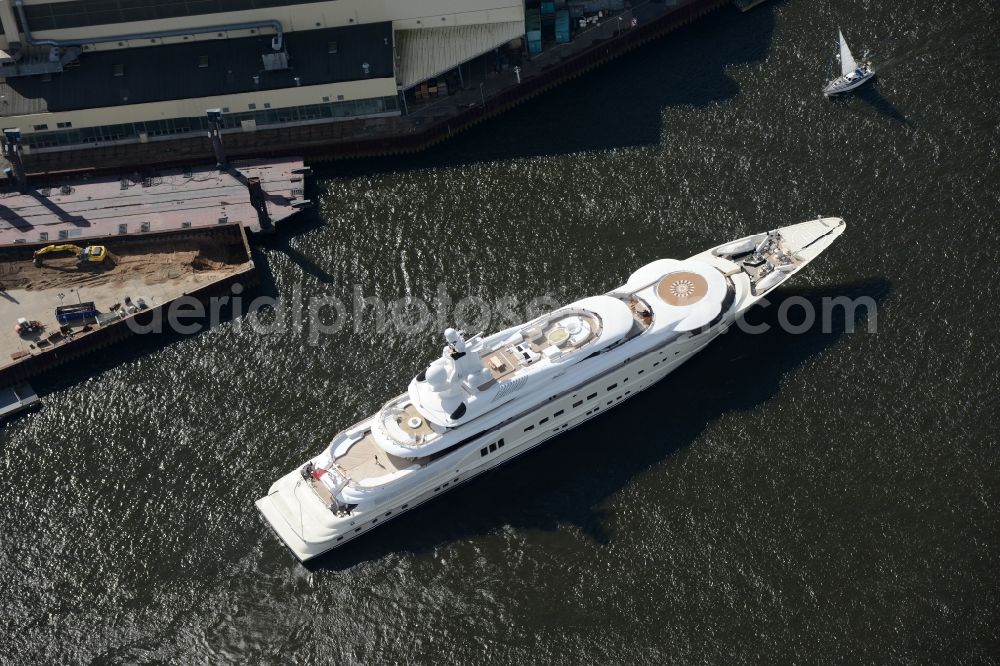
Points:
(681, 295)
(551, 338)
(478, 375)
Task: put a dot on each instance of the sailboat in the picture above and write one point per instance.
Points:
(852, 74)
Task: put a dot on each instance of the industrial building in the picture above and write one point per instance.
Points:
(79, 73)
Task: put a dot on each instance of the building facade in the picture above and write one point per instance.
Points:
(79, 73)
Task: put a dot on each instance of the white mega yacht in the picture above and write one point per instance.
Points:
(488, 399)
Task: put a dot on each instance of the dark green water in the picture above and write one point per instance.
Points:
(825, 497)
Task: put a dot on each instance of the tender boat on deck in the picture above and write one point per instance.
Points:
(488, 399)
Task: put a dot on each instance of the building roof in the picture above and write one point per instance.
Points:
(55, 15)
(203, 69)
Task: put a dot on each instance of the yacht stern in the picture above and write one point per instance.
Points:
(297, 517)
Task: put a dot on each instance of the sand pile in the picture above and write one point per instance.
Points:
(153, 265)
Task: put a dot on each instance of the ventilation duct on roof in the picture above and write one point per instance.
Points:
(70, 51)
(275, 61)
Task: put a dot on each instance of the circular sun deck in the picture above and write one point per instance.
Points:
(682, 288)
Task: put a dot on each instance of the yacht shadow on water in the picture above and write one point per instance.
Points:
(562, 481)
(618, 104)
(872, 96)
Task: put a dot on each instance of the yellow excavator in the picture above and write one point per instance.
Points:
(92, 254)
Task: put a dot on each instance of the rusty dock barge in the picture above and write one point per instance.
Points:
(163, 235)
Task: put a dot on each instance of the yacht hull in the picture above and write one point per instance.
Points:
(654, 367)
(839, 87)
(310, 529)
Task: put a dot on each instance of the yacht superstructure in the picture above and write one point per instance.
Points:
(487, 399)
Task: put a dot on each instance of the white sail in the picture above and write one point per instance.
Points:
(847, 63)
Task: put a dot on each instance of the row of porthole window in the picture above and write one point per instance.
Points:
(486, 450)
(576, 404)
(374, 521)
(446, 484)
(405, 506)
